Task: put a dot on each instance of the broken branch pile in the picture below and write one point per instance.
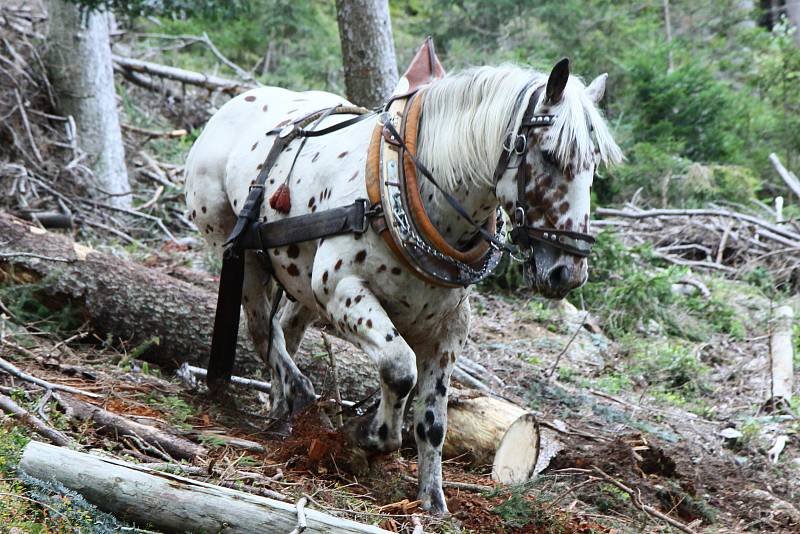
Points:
(41, 159)
(715, 238)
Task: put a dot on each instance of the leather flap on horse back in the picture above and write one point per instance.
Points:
(424, 68)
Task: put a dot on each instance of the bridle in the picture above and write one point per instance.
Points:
(518, 143)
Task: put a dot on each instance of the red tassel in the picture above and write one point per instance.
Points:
(281, 200)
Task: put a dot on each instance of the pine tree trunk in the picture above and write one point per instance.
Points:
(370, 66)
(82, 75)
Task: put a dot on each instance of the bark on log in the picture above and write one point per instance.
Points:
(170, 502)
(79, 64)
(207, 81)
(370, 67)
(137, 304)
(782, 354)
(118, 426)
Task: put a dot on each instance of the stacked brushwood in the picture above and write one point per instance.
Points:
(716, 238)
(41, 160)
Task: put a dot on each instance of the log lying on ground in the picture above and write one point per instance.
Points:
(134, 303)
(490, 431)
(137, 304)
(171, 502)
(782, 355)
(121, 427)
(207, 81)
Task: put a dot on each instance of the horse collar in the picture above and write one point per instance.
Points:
(391, 178)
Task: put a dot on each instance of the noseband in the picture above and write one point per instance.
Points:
(518, 143)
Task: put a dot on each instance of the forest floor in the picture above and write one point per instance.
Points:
(665, 448)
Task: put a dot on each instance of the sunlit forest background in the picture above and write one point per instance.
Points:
(697, 115)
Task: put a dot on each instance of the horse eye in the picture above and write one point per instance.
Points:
(549, 157)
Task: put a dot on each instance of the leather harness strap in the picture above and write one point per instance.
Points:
(248, 234)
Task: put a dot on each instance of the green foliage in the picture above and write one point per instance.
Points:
(516, 511)
(30, 303)
(631, 293)
(206, 8)
(668, 366)
(609, 498)
(175, 408)
(686, 106)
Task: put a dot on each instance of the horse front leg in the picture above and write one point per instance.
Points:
(357, 315)
(436, 359)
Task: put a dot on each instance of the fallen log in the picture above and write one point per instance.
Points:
(120, 427)
(782, 355)
(145, 307)
(491, 431)
(207, 81)
(171, 502)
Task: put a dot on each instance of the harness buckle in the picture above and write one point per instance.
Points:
(363, 215)
(384, 117)
(286, 131)
(519, 216)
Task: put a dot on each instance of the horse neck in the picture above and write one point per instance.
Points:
(478, 200)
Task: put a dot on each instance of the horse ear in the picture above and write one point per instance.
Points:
(557, 82)
(597, 88)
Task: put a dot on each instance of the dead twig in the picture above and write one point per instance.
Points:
(11, 369)
(36, 424)
(477, 488)
(637, 501)
(566, 347)
(32, 255)
(27, 125)
(301, 516)
(337, 395)
(169, 134)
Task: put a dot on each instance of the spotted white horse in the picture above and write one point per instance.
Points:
(412, 330)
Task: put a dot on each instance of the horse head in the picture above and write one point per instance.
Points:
(558, 140)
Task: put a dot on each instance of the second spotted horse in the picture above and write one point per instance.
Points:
(420, 188)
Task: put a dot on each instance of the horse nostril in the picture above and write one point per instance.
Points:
(559, 276)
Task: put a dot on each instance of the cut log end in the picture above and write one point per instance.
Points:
(518, 452)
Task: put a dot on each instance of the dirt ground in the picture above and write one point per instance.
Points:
(670, 458)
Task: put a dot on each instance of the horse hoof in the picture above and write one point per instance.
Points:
(359, 431)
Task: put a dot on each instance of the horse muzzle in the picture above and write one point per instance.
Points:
(552, 273)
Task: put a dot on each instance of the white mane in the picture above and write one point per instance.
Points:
(466, 118)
